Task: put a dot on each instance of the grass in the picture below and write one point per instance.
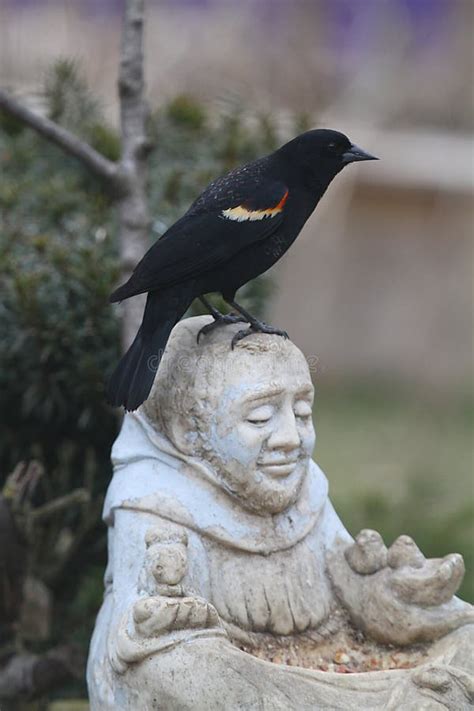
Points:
(401, 462)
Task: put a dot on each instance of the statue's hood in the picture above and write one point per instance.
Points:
(151, 475)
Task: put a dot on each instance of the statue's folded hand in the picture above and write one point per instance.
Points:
(168, 605)
(397, 595)
(154, 616)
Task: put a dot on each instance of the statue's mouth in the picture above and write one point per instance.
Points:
(279, 467)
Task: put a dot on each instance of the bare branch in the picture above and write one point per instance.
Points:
(78, 496)
(92, 159)
(89, 519)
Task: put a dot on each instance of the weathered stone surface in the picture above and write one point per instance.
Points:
(223, 544)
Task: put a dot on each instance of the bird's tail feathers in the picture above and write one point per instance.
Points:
(132, 380)
(123, 292)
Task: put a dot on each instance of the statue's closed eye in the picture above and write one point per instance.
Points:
(260, 415)
(302, 409)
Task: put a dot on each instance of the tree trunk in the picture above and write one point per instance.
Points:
(133, 206)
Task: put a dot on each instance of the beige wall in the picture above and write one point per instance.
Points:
(381, 282)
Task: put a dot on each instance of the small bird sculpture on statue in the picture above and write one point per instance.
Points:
(235, 230)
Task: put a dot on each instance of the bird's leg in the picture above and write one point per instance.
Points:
(219, 319)
(215, 313)
(256, 326)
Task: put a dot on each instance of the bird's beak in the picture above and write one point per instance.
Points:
(355, 153)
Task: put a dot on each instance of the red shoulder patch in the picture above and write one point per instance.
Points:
(244, 212)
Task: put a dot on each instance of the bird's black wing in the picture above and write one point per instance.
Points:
(231, 214)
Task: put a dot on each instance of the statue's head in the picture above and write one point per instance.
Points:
(245, 411)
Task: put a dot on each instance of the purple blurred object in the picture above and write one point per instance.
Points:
(353, 23)
(428, 18)
(350, 23)
(105, 6)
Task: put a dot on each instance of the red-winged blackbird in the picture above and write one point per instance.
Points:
(235, 230)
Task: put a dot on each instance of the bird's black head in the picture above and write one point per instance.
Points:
(319, 155)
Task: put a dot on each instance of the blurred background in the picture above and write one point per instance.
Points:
(377, 291)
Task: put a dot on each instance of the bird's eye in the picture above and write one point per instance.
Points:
(333, 147)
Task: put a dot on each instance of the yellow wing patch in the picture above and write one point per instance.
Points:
(242, 213)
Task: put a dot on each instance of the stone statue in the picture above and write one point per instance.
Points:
(230, 575)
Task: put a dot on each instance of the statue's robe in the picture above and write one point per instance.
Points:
(264, 574)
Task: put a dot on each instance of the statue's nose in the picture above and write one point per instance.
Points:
(286, 435)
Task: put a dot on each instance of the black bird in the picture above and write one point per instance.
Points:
(237, 228)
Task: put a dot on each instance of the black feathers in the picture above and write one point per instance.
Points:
(237, 229)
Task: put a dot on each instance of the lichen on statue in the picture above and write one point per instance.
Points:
(221, 531)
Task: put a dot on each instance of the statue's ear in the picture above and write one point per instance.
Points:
(182, 434)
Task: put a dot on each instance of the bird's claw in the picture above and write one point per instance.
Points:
(222, 320)
(257, 327)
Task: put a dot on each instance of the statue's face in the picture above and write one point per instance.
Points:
(262, 433)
